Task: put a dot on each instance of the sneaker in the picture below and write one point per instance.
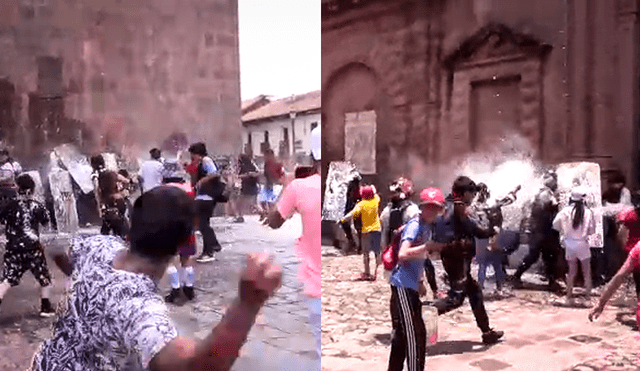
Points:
(206, 258)
(46, 309)
(492, 336)
(173, 295)
(188, 292)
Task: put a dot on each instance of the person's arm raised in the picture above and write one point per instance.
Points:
(219, 350)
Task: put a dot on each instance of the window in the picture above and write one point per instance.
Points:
(208, 39)
(285, 135)
(314, 125)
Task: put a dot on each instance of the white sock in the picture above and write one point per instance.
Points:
(189, 276)
(174, 278)
(45, 292)
(4, 286)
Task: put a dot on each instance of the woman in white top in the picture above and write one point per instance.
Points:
(576, 222)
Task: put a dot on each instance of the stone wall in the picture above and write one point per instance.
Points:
(415, 64)
(133, 71)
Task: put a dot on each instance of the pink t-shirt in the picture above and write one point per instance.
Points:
(303, 196)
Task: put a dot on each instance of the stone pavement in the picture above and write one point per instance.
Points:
(280, 340)
(540, 334)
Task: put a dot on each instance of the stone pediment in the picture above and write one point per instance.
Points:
(495, 42)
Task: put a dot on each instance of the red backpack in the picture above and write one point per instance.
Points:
(390, 254)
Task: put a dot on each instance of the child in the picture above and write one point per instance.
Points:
(186, 252)
(22, 217)
(367, 209)
(576, 223)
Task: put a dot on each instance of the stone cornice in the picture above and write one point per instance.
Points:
(340, 13)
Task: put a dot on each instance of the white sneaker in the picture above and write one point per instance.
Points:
(205, 258)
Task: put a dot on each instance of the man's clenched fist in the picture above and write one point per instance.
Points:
(260, 279)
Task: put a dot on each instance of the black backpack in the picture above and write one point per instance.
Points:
(396, 217)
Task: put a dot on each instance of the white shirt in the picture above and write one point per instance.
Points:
(315, 141)
(563, 223)
(152, 172)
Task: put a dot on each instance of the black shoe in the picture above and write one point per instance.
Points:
(173, 295)
(46, 309)
(188, 292)
(491, 337)
(206, 258)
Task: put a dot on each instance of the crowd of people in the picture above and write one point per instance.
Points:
(464, 229)
(114, 317)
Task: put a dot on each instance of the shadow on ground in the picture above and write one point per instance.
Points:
(452, 347)
(627, 319)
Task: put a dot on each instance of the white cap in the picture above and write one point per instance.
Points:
(315, 140)
(578, 194)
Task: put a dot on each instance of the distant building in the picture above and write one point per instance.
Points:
(406, 81)
(127, 72)
(283, 125)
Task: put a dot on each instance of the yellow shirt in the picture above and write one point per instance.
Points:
(368, 211)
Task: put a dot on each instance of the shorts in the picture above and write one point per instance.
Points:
(17, 262)
(576, 250)
(371, 241)
(189, 249)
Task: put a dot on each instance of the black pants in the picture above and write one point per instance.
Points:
(114, 220)
(205, 212)
(547, 246)
(409, 339)
(430, 275)
(455, 299)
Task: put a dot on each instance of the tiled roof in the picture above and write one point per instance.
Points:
(248, 105)
(282, 107)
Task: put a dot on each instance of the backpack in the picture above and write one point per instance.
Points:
(390, 254)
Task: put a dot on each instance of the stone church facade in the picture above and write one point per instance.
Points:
(443, 79)
(118, 73)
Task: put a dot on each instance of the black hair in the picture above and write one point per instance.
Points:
(4, 151)
(198, 149)
(161, 220)
(616, 176)
(124, 173)
(97, 162)
(25, 184)
(463, 184)
(155, 154)
(578, 213)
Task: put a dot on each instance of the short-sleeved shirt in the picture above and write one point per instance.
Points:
(112, 320)
(367, 210)
(629, 218)
(207, 167)
(152, 173)
(23, 218)
(407, 274)
(303, 196)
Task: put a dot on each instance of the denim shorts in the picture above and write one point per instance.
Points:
(372, 240)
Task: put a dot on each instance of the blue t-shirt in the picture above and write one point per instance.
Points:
(407, 274)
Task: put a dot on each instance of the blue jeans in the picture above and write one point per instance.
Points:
(493, 258)
(315, 319)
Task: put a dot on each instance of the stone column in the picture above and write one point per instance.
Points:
(628, 109)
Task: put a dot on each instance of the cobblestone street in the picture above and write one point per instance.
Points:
(540, 334)
(280, 339)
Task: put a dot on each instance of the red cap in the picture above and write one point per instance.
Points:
(367, 192)
(432, 196)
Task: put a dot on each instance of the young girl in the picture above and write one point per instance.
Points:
(576, 223)
(367, 209)
(186, 275)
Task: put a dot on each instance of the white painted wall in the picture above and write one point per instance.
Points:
(276, 133)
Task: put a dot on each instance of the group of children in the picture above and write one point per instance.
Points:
(575, 223)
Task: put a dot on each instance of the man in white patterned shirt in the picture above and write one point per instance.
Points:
(115, 319)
